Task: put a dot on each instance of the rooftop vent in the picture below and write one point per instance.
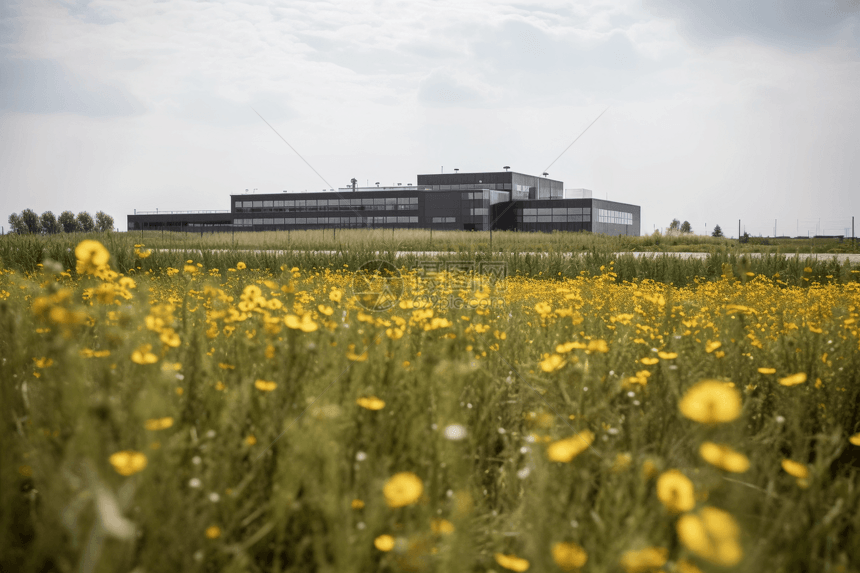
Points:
(456, 170)
(506, 167)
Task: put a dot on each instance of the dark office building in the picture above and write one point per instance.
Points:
(450, 201)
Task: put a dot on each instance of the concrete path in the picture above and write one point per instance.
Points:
(853, 259)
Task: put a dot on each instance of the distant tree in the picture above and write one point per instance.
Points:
(16, 224)
(686, 228)
(31, 221)
(104, 222)
(67, 220)
(85, 222)
(718, 232)
(675, 225)
(50, 225)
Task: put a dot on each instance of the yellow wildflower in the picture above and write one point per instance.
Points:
(128, 462)
(567, 449)
(644, 560)
(441, 526)
(402, 489)
(724, 457)
(552, 363)
(512, 562)
(357, 504)
(92, 256)
(675, 490)
(158, 423)
(213, 532)
(794, 379)
(712, 534)
(143, 355)
(569, 556)
(767, 370)
(384, 543)
(796, 469)
(371, 403)
(711, 402)
(265, 386)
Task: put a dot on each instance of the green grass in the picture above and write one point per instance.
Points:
(284, 502)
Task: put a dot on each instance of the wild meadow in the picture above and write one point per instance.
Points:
(213, 408)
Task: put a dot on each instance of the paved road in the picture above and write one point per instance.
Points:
(854, 259)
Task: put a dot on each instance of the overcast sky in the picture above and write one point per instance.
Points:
(718, 111)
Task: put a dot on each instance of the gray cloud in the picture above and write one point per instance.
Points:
(46, 86)
(207, 107)
(789, 24)
(441, 89)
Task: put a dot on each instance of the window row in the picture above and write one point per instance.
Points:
(501, 186)
(444, 219)
(616, 217)
(479, 195)
(328, 202)
(555, 218)
(479, 211)
(324, 220)
(305, 209)
(558, 211)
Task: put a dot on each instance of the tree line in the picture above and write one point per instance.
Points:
(47, 224)
(685, 227)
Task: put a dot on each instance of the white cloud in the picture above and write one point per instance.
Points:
(737, 127)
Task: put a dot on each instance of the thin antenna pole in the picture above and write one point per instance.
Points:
(575, 140)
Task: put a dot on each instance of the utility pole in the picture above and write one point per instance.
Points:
(739, 230)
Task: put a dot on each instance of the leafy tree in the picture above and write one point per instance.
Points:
(85, 222)
(104, 222)
(67, 220)
(49, 223)
(686, 228)
(674, 225)
(31, 221)
(16, 225)
(718, 232)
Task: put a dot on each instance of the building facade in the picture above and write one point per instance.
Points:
(451, 201)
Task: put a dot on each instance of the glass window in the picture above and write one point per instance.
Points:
(413, 200)
(574, 211)
(322, 202)
(247, 204)
(544, 211)
(279, 203)
(311, 203)
(238, 203)
(413, 219)
(529, 212)
(258, 221)
(391, 219)
(300, 202)
(559, 218)
(258, 204)
(529, 219)
(586, 211)
(289, 203)
(390, 207)
(268, 204)
(544, 218)
(279, 221)
(367, 201)
(402, 200)
(559, 211)
(301, 221)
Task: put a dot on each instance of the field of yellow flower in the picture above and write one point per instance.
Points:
(246, 415)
